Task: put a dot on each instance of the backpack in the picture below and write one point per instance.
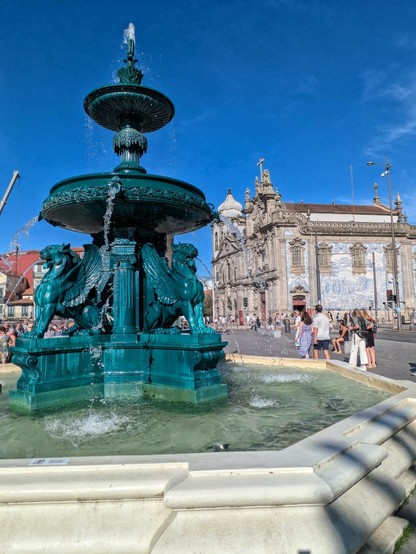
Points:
(362, 332)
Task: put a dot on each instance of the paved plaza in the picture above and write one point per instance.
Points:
(396, 350)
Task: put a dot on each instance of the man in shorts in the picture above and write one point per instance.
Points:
(321, 338)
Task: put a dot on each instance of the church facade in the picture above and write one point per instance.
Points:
(272, 257)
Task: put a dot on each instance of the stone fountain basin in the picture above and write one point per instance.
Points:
(333, 492)
(150, 203)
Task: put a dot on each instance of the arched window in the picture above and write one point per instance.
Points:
(388, 255)
(324, 257)
(358, 252)
(297, 255)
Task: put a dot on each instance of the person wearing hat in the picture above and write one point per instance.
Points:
(321, 337)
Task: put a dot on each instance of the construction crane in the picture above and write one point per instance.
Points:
(9, 190)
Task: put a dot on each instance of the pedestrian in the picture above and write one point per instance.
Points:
(4, 345)
(296, 325)
(321, 338)
(258, 324)
(12, 336)
(358, 338)
(343, 336)
(305, 335)
(370, 346)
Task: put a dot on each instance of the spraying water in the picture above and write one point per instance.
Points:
(129, 34)
(237, 232)
(114, 187)
(22, 231)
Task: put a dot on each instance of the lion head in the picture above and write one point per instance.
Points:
(58, 254)
(184, 254)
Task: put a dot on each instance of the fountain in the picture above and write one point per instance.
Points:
(332, 492)
(122, 295)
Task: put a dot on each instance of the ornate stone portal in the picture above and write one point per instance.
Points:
(123, 296)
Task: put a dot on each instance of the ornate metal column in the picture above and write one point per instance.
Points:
(125, 300)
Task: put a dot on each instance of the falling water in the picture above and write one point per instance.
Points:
(21, 277)
(22, 231)
(113, 190)
(231, 226)
(214, 284)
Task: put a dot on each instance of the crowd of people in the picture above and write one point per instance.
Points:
(9, 332)
(357, 328)
(312, 334)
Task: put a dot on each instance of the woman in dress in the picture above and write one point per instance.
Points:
(4, 345)
(305, 335)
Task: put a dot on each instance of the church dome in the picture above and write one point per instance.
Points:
(230, 207)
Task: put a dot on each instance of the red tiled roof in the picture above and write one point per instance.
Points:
(337, 209)
(22, 302)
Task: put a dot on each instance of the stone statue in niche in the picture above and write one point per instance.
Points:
(173, 291)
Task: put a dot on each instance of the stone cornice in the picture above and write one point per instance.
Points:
(348, 228)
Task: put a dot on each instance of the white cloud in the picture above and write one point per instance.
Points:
(400, 97)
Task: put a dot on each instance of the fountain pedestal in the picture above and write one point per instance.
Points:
(64, 370)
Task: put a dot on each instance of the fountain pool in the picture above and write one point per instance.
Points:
(269, 408)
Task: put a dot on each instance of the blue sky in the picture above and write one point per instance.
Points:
(314, 87)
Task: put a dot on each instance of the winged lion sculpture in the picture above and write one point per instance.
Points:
(66, 287)
(173, 291)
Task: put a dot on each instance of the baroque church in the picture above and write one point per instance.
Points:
(273, 257)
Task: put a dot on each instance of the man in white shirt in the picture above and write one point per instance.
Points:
(321, 337)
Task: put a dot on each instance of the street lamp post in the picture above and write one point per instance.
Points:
(396, 288)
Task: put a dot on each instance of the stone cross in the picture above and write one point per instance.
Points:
(260, 164)
(376, 196)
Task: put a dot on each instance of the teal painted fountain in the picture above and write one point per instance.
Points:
(125, 294)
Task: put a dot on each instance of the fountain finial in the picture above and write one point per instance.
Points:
(129, 74)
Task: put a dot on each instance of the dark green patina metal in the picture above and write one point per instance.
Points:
(123, 295)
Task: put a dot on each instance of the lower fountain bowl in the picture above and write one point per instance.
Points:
(147, 202)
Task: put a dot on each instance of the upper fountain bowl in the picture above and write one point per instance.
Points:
(148, 203)
(117, 105)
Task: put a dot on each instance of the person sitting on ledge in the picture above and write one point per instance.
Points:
(344, 335)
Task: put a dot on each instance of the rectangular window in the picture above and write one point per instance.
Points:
(297, 256)
(25, 311)
(10, 311)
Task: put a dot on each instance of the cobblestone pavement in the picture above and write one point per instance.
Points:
(396, 356)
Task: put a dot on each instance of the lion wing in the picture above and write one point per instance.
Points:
(83, 277)
(159, 275)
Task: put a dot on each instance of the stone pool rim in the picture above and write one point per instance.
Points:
(310, 495)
